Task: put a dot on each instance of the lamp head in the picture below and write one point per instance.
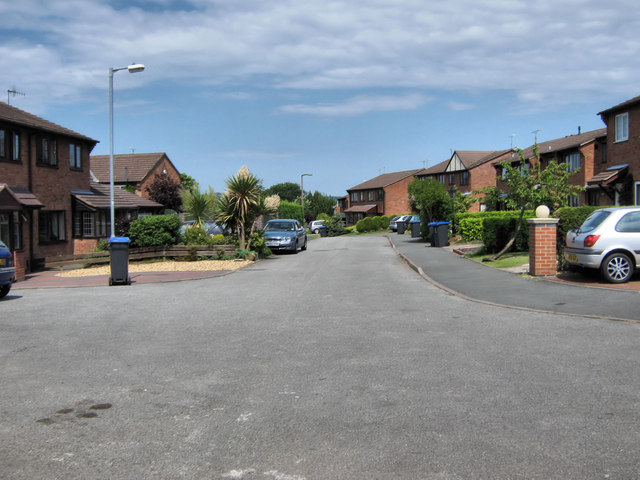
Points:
(135, 68)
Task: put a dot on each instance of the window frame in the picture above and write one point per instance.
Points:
(48, 221)
(9, 145)
(570, 159)
(621, 127)
(47, 152)
(75, 156)
(465, 178)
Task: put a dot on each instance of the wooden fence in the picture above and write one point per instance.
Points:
(142, 253)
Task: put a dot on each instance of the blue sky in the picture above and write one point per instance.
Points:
(344, 90)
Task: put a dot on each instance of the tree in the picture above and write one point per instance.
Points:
(243, 193)
(430, 198)
(288, 191)
(198, 206)
(319, 203)
(188, 182)
(163, 189)
(529, 186)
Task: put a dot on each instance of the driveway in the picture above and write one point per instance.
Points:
(339, 362)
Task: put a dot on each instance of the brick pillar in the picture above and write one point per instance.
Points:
(19, 262)
(542, 246)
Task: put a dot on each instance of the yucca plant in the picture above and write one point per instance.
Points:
(198, 206)
(243, 193)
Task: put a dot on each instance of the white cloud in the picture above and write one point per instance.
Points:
(358, 105)
(539, 51)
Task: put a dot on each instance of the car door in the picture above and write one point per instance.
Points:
(628, 233)
(299, 234)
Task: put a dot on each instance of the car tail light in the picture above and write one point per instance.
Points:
(591, 240)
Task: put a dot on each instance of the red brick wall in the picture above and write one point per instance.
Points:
(51, 185)
(163, 165)
(396, 198)
(84, 245)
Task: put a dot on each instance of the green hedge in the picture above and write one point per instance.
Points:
(497, 231)
(155, 230)
(469, 225)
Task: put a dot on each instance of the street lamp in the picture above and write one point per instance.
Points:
(302, 191)
(134, 68)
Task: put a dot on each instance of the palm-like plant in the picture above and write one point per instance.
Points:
(243, 193)
(198, 206)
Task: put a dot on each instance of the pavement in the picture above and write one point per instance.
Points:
(565, 293)
(569, 293)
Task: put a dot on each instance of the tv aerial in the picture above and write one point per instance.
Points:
(12, 92)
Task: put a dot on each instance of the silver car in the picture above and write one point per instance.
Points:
(609, 240)
(285, 234)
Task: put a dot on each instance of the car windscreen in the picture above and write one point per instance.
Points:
(2, 245)
(280, 226)
(593, 221)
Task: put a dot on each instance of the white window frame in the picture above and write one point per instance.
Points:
(622, 127)
(75, 156)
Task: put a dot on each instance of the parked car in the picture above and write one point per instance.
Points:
(393, 225)
(314, 226)
(285, 234)
(7, 270)
(609, 240)
(210, 228)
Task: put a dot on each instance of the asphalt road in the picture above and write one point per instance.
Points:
(335, 363)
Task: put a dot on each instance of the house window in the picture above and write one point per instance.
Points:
(574, 200)
(362, 196)
(4, 229)
(90, 224)
(370, 195)
(354, 197)
(464, 178)
(47, 153)
(75, 156)
(637, 199)
(593, 198)
(452, 179)
(51, 226)
(381, 195)
(9, 146)
(573, 160)
(441, 178)
(622, 127)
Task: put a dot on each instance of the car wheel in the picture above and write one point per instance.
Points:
(304, 245)
(617, 268)
(4, 290)
(316, 230)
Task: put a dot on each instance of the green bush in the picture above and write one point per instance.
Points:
(324, 216)
(155, 230)
(335, 227)
(369, 224)
(470, 228)
(290, 210)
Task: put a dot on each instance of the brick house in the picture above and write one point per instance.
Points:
(385, 194)
(467, 171)
(584, 153)
(137, 170)
(44, 169)
(619, 173)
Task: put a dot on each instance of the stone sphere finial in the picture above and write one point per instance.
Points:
(542, 211)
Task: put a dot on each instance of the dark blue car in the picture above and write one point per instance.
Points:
(7, 271)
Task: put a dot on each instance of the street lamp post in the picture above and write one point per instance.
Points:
(302, 191)
(134, 68)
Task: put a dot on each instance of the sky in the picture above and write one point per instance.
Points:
(341, 90)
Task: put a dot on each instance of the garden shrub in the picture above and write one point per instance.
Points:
(497, 231)
(335, 227)
(290, 210)
(155, 230)
(470, 228)
(369, 224)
